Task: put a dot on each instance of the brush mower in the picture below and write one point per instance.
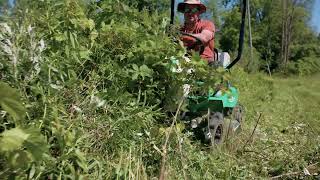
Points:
(206, 113)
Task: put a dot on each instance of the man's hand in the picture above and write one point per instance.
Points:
(188, 40)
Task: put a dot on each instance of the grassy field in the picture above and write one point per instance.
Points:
(286, 138)
(283, 143)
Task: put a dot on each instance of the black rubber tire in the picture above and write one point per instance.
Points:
(216, 128)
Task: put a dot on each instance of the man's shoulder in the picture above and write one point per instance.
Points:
(205, 21)
(207, 24)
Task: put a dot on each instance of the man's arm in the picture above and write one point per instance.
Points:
(207, 33)
(205, 36)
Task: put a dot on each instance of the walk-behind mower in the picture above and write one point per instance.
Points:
(206, 113)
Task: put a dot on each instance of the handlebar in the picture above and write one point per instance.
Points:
(241, 35)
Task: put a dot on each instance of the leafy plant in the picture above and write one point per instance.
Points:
(87, 91)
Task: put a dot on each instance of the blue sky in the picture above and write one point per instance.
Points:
(315, 20)
(11, 2)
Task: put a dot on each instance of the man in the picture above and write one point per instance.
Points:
(196, 29)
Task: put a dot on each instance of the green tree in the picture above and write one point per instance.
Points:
(277, 42)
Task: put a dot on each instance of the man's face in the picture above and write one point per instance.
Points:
(191, 14)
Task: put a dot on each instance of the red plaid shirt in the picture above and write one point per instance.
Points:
(208, 53)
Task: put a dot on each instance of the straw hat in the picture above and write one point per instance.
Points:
(201, 6)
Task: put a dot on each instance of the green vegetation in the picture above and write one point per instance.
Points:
(85, 87)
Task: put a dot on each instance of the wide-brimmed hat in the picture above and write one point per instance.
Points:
(201, 6)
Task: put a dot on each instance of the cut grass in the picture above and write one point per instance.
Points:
(287, 138)
(284, 144)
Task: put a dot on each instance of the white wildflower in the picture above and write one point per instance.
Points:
(76, 108)
(29, 29)
(35, 59)
(187, 59)
(37, 68)
(8, 42)
(179, 70)
(186, 90)
(189, 71)
(101, 103)
(6, 49)
(6, 28)
(96, 100)
(42, 45)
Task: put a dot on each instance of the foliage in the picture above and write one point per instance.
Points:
(309, 65)
(86, 89)
(267, 29)
(10, 102)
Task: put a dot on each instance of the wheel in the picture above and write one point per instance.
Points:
(236, 121)
(238, 114)
(215, 130)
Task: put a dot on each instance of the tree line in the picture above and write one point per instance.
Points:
(282, 37)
